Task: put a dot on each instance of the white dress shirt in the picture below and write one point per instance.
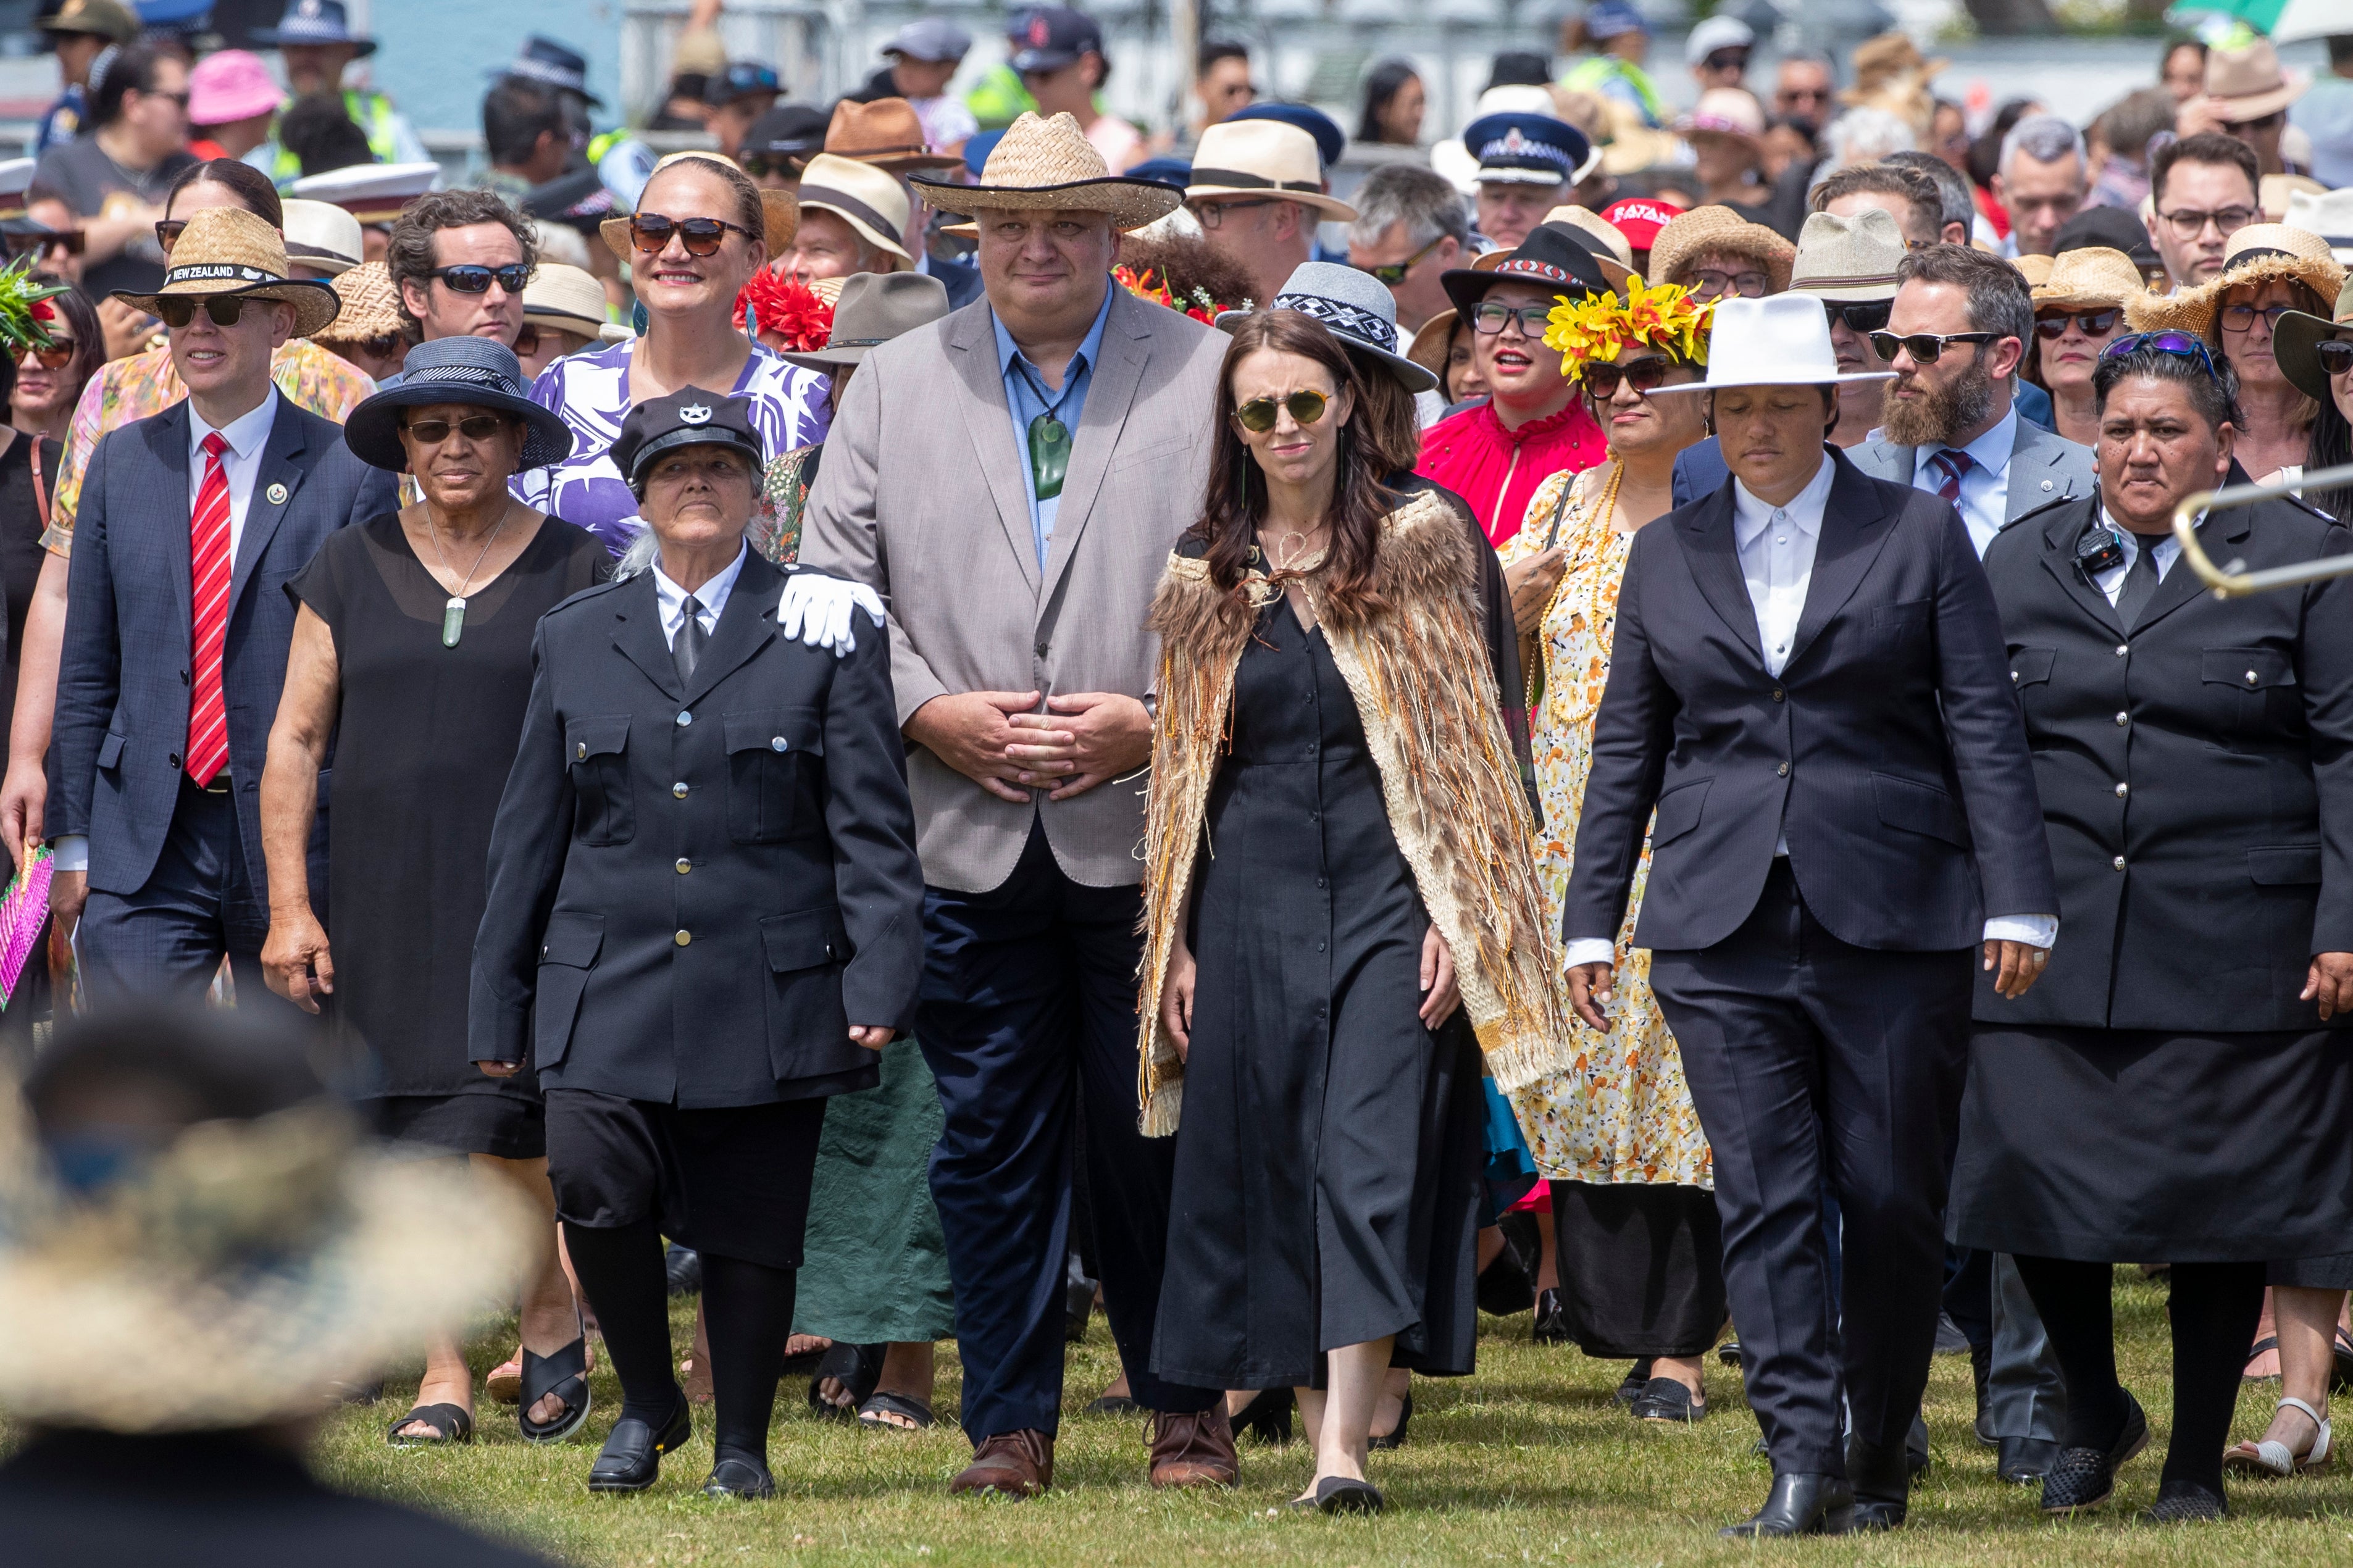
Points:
(2111, 581)
(1985, 489)
(709, 599)
(1775, 545)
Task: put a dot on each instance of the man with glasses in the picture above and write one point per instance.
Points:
(1802, 89)
(2042, 180)
(1257, 188)
(2204, 189)
(1409, 230)
(460, 259)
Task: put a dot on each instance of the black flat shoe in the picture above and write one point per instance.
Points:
(1507, 1287)
(1266, 1417)
(2082, 1479)
(2184, 1502)
(2024, 1459)
(1638, 1378)
(1552, 1319)
(1338, 1494)
(1664, 1399)
(739, 1477)
(1395, 1437)
(1882, 1478)
(1728, 1352)
(630, 1460)
(682, 1267)
(1800, 1505)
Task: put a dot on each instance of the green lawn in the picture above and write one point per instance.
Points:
(1528, 1462)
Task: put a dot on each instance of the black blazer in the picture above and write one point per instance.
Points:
(2226, 794)
(1889, 747)
(693, 893)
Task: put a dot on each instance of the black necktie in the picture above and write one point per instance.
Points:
(686, 648)
(2140, 584)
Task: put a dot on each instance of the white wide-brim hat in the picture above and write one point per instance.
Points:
(1782, 340)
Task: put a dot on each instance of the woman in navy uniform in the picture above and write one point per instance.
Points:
(704, 918)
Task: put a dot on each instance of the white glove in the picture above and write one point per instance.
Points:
(818, 609)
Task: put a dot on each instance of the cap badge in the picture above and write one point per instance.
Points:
(695, 414)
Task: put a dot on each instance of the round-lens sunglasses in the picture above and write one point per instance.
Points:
(1258, 415)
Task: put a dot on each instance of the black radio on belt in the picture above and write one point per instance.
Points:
(2099, 550)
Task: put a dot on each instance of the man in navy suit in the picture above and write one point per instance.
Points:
(1810, 685)
(178, 625)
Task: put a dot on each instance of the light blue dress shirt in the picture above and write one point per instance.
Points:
(1985, 489)
(1027, 396)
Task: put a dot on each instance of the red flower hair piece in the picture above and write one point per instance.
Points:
(794, 318)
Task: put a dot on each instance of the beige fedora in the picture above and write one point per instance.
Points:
(2328, 215)
(228, 250)
(780, 215)
(322, 235)
(872, 308)
(869, 199)
(1847, 258)
(2087, 277)
(566, 299)
(1720, 229)
(1259, 158)
(2275, 193)
(372, 306)
(1050, 163)
(2257, 254)
(2247, 83)
(887, 134)
(1607, 234)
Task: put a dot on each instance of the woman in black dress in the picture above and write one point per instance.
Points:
(410, 670)
(1338, 871)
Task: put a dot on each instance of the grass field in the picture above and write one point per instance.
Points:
(1528, 1462)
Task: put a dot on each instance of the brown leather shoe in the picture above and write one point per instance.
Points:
(1195, 1450)
(1009, 1464)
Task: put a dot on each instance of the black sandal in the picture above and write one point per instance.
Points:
(564, 1375)
(875, 1406)
(451, 1423)
(858, 1368)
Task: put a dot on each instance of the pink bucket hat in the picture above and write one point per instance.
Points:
(229, 86)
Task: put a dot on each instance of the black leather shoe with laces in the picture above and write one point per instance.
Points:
(1800, 1505)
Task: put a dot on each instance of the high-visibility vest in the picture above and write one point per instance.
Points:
(371, 112)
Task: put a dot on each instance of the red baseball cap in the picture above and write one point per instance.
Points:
(1639, 218)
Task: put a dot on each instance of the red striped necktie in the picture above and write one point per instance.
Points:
(208, 549)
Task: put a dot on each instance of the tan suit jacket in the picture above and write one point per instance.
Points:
(921, 496)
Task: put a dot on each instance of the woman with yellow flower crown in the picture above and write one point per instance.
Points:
(1633, 1206)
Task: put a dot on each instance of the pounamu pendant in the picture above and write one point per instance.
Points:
(453, 621)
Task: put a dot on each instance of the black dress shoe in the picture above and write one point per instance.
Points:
(2024, 1459)
(1552, 1319)
(682, 1266)
(1882, 1478)
(1950, 1339)
(1800, 1505)
(2083, 1479)
(2184, 1502)
(739, 1477)
(1981, 1375)
(630, 1460)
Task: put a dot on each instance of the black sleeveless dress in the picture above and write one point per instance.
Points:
(425, 738)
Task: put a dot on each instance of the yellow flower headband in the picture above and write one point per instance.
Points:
(1602, 326)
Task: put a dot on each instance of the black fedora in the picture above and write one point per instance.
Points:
(1554, 255)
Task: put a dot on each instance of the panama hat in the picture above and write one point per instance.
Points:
(322, 235)
(228, 250)
(2089, 276)
(371, 306)
(780, 213)
(1050, 162)
(1846, 258)
(867, 198)
(1782, 340)
(2257, 254)
(870, 309)
(481, 371)
(1725, 232)
(2035, 270)
(2296, 342)
(566, 299)
(1263, 158)
(2328, 215)
(887, 134)
(1355, 306)
(2248, 83)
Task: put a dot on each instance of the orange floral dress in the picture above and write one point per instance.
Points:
(1622, 1113)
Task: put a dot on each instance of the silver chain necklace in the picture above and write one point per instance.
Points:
(453, 613)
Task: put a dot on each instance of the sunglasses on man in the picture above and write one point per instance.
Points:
(1393, 272)
(467, 277)
(1925, 348)
(760, 166)
(226, 310)
(1862, 317)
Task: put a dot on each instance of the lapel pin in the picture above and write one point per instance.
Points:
(276, 494)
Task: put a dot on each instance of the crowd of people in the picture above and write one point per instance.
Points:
(951, 711)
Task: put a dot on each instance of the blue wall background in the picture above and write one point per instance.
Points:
(435, 52)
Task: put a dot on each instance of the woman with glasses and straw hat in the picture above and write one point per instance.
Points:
(1330, 605)
(2079, 309)
(2268, 270)
(410, 668)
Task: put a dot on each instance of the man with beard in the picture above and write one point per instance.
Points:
(1960, 326)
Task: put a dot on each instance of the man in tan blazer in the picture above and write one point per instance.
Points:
(1010, 480)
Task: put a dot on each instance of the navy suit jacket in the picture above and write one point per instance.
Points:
(1889, 748)
(123, 681)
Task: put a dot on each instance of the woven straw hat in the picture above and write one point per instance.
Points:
(1722, 230)
(867, 198)
(1847, 258)
(228, 250)
(1431, 342)
(887, 134)
(2258, 253)
(1263, 158)
(371, 306)
(780, 213)
(2035, 270)
(1050, 163)
(2089, 277)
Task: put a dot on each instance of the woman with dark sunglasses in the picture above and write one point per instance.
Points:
(49, 379)
(2078, 312)
(701, 230)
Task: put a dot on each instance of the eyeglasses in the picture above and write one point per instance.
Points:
(1257, 415)
(1709, 284)
(1393, 272)
(2186, 224)
(1644, 375)
(2094, 323)
(1212, 215)
(473, 427)
(1803, 95)
(167, 232)
(527, 342)
(469, 278)
(179, 98)
(1726, 60)
(2241, 318)
(760, 166)
(2180, 345)
(59, 352)
(1925, 348)
(1492, 317)
(651, 232)
(2336, 355)
(1862, 316)
(179, 310)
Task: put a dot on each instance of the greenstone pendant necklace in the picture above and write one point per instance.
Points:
(453, 613)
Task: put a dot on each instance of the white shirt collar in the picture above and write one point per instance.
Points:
(1750, 515)
(245, 434)
(711, 597)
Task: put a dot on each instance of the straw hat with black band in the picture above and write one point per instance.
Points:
(229, 251)
(869, 199)
(780, 213)
(1049, 164)
(2257, 254)
(872, 308)
(1246, 158)
(322, 236)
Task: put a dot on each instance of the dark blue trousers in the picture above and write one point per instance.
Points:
(1028, 1020)
(168, 938)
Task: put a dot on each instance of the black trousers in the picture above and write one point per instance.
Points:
(1809, 1058)
(1028, 1020)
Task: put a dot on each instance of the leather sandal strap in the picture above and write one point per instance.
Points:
(546, 1375)
(2290, 1402)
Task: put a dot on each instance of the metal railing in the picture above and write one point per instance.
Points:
(2233, 582)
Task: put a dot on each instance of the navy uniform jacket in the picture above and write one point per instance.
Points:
(1888, 749)
(694, 893)
(2204, 843)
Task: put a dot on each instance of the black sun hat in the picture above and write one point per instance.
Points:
(1554, 255)
(481, 372)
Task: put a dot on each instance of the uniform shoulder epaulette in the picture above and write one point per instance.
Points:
(2038, 511)
(594, 591)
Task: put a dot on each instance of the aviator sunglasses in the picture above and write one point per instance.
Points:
(702, 236)
(1258, 415)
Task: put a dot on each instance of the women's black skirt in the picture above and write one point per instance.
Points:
(1641, 1267)
(506, 1125)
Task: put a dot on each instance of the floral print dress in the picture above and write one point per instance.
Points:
(1622, 1113)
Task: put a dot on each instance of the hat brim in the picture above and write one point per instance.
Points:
(373, 430)
(1330, 206)
(1611, 267)
(1466, 286)
(326, 261)
(695, 435)
(780, 217)
(902, 162)
(2296, 343)
(825, 362)
(2259, 105)
(2192, 310)
(1130, 204)
(1835, 288)
(315, 301)
(864, 229)
(1791, 378)
(1431, 341)
(1410, 374)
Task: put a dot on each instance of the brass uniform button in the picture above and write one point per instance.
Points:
(679, 789)
(684, 867)
(682, 938)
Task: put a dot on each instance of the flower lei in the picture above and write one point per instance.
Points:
(1149, 285)
(792, 317)
(25, 310)
(1602, 326)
